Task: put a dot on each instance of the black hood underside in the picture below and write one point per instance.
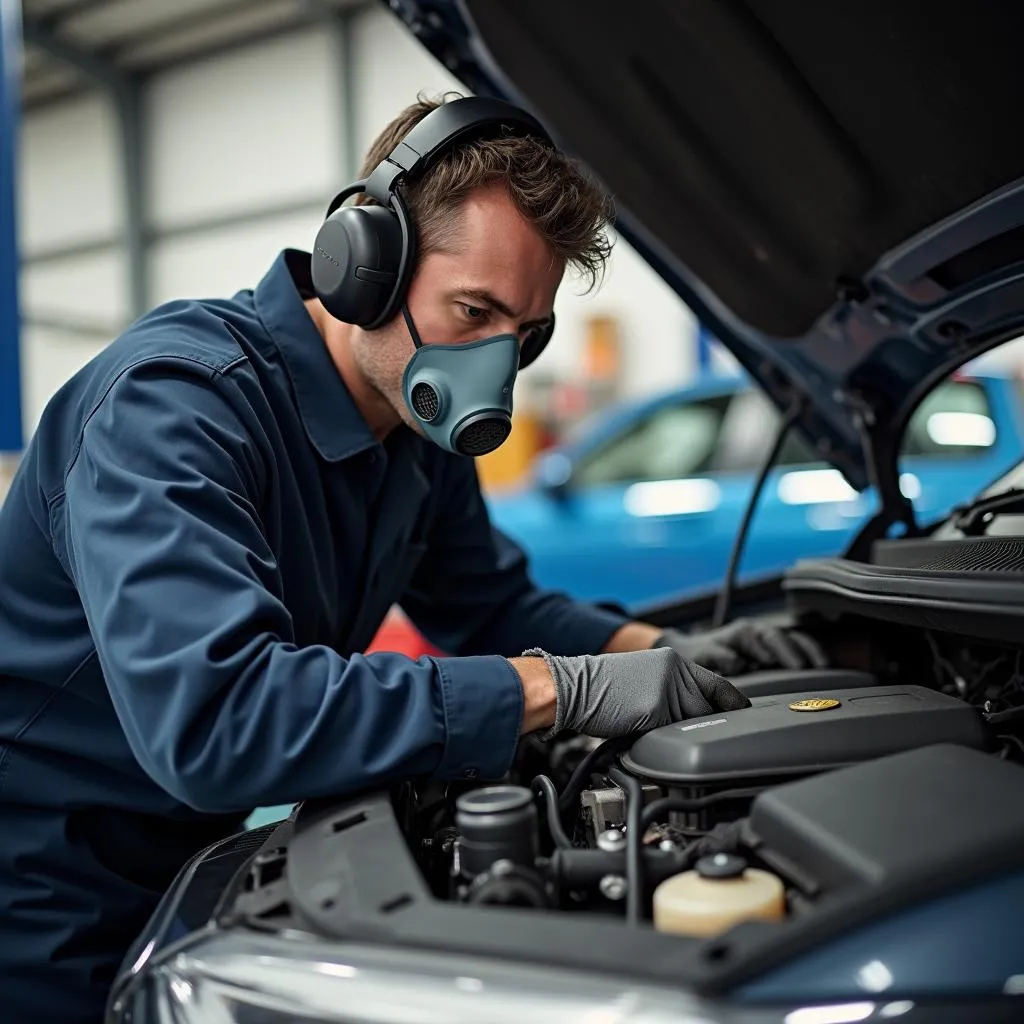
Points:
(777, 147)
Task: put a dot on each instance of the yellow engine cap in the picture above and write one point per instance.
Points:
(814, 704)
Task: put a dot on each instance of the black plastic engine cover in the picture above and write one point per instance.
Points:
(771, 739)
(769, 682)
(888, 822)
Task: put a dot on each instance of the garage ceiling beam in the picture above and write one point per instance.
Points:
(60, 16)
(39, 34)
(124, 91)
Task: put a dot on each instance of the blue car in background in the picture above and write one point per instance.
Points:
(644, 503)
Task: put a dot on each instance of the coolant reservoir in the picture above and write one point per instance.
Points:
(721, 891)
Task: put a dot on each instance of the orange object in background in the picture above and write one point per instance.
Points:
(602, 349)
(508, 465)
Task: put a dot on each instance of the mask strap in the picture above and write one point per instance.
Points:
(412, 327)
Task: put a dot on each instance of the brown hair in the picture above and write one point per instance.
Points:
(564, 202)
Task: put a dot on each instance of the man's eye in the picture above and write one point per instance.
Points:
(475, 312)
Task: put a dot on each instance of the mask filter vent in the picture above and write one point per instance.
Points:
(482, 435)
(425, 402)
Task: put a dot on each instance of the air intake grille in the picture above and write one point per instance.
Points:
(425, 401)
(991, 554)
(483, 436)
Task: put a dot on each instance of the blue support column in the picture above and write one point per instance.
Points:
(11, 437)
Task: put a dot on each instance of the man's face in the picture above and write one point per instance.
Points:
(497, 277)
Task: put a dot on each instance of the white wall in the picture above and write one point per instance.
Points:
(243, 131)
(255, 133)
(69, 192)
(243, 134)
(70, 177)
(88, 289)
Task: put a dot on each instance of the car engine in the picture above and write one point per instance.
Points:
(577, 818)
(855, 787)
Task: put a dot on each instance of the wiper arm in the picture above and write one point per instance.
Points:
(974, 519)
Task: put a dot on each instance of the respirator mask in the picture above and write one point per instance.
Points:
(461, 395)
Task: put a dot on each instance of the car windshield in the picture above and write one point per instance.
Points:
(1008, 481)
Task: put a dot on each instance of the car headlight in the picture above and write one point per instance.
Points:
(249, 978)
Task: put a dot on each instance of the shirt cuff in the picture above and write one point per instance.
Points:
(483, 713)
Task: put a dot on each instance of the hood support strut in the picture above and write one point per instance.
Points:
(881, 458)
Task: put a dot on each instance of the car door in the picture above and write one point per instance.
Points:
(652, 510)
(633, 496)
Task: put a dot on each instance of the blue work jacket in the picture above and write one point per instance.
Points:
(202, 537)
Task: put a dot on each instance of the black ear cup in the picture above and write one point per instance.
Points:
(355, 262)
(535, 343)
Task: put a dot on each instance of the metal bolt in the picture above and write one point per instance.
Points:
(613, 887)
(611, 840)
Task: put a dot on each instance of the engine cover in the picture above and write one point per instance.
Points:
(796, 734)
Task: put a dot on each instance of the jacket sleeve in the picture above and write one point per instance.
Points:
(472, 594)
(162, 537)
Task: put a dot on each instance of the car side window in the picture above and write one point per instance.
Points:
(954, 420)
(748, 432)
(670, 442)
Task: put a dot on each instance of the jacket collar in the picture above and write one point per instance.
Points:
(333, 423)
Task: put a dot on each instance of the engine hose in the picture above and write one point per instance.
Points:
(730, 837)
(992, 718)
(658, 808)
(581, 776)
(546, 788)
(634, 850)
(584, 869)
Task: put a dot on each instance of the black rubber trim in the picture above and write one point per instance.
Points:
(984, 605)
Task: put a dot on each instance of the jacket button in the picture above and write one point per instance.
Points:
(470, 773)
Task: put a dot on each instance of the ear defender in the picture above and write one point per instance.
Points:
(356, 259)
(535, 343)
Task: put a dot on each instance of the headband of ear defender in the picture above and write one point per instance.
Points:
(364, 256)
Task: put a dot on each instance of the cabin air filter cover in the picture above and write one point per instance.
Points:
(803, 733)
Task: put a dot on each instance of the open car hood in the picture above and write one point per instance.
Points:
(836, 190)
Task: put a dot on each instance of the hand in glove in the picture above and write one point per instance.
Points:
(614, 694)
(745, 645)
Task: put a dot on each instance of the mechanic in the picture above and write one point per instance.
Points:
(215, 514)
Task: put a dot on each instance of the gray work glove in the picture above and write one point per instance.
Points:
(615, 694)
(745, 645)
